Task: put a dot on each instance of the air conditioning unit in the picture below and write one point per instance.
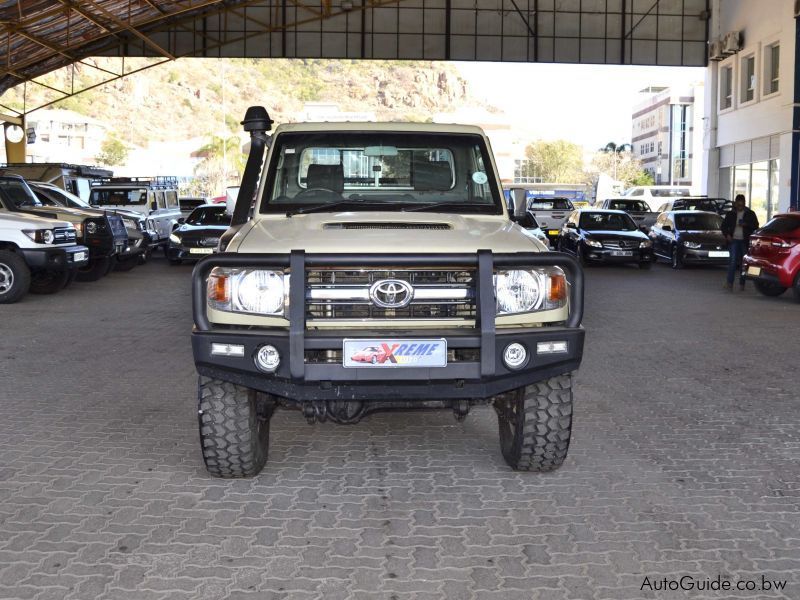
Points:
(732, 43)
(715, 50)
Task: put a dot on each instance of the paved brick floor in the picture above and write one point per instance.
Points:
(685, 461)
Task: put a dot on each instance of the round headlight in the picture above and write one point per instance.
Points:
(261, 292)
(47, 236)
(517, 291)
(174, 238)
(91, 227)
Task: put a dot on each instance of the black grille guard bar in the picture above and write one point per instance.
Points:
(298, 261)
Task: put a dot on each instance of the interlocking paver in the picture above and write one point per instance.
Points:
(685, 460)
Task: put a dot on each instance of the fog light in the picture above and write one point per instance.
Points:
(515, 356)
(234, 350)
(551, 347)
(268, 359)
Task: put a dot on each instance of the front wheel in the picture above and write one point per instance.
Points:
(49, 282)
(535, 424)
(234, 428)
(769, 289)
(96, 269)
(676, 260)
(15, 277)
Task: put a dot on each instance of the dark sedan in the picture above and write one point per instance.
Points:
(610, 236)
(689, 237)
(198, 235)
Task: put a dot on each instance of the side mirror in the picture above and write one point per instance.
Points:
(666, 228)
(571, 226)
(153, 206)
(644, 229)
(181, 221)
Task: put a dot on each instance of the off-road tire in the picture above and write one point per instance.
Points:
(535, 424)
(126, 264)
(676, 261)
(769, 289)
(96, 269)
(234, 428)
(49, 282)
(13, 265)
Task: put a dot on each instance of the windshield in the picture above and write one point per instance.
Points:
(698, 222)
(380, 171)
(596, 221)
(118, 197)
(550, 204)
(209, 215)
(634, 205)
(60, 198)
(17, 193)
(781, 225)
(670, 193)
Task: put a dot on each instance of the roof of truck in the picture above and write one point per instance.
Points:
(388, 127)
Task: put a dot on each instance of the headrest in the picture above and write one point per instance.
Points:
(432, 175)
(330, 177)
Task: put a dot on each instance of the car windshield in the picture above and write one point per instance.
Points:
(60, 198)
(118, 197)
(209, 215)
(781, 225)
(550, 204)
(17, 193)
(634, 205)
(380, 171)
(670, 193)
(710, 205)
(698, 222)
(597, 221)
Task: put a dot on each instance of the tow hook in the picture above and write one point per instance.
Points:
(460, 409)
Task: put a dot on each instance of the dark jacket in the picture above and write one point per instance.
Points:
(749, 225)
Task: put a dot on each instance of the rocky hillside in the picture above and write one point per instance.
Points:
(199, 97)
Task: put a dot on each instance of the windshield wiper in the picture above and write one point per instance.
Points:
(325, 207)
(448, 203)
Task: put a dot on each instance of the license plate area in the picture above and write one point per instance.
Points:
(718, 254)
(621, 253)
(394, 353)
(78, 256)
(201, 250)
(552, 231)
(754, 271)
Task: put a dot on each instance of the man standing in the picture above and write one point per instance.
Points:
(737, 227)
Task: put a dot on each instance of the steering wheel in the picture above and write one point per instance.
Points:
(316, 191)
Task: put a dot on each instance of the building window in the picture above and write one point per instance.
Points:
(725, 88)
(748, 78)
(772, 69)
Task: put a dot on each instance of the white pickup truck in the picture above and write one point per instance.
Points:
(551, 214)
(37, 254)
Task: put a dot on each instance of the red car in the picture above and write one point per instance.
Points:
(370, 354)
(773, 259)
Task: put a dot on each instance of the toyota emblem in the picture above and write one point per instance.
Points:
(391, 293)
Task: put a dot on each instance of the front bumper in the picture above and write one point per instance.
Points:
(700, 256)
(478, 373)
(637, 255)
(57, 259)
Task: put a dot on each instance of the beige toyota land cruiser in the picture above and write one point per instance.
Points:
(374, 267)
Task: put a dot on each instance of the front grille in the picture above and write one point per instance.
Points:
(199, 239)
(438, 226)
(344, 294)
(621, 244)
(63, 235)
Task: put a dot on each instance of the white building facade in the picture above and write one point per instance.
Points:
(664, 135)
(749, 105)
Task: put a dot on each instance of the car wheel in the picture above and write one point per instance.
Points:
(769, 289)
(49, 282)
(96, 269)
(126, 264)
(535, 424)
(234, 428)
(676, 260)
(15, 277)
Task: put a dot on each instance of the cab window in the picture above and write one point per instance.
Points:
(172, 199)
(160, 201)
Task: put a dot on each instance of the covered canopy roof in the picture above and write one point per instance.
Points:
(39, 36)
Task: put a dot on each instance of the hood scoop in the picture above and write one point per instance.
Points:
(386, 225)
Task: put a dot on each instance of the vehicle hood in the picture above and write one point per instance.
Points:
(74, 215)
(704, 237)
(380, 232)
(601, 235)
(128, 214)
(27, 219)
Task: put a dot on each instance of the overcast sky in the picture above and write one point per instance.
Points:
(587, 104)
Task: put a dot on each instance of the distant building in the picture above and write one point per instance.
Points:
(65, 136)
(667, 134)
